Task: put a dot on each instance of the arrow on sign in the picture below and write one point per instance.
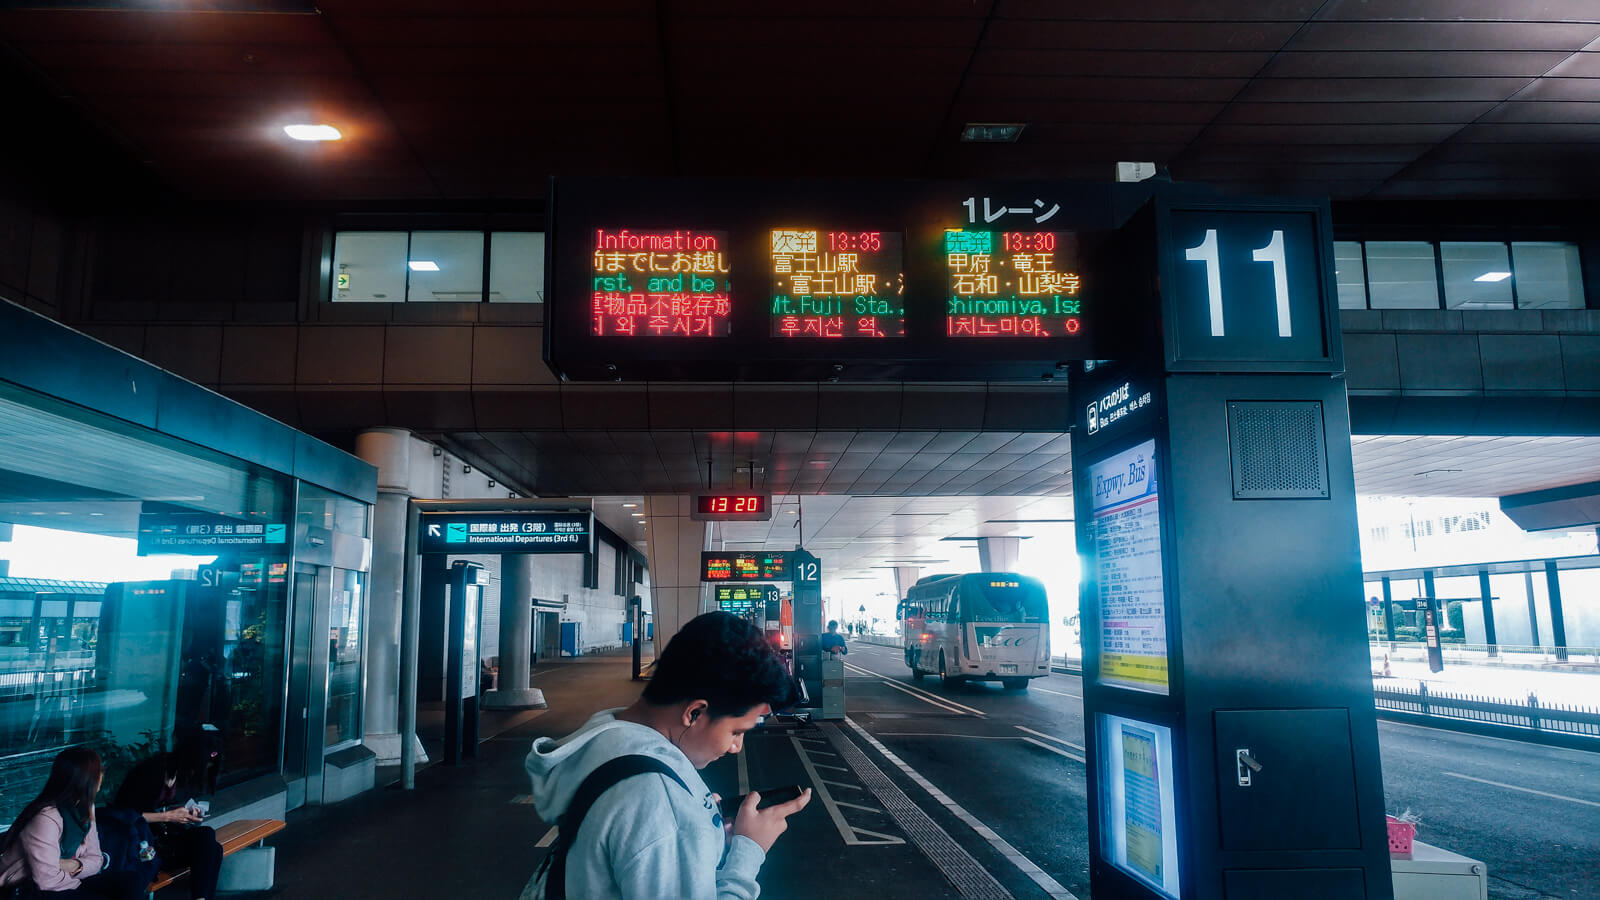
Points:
(433, 531)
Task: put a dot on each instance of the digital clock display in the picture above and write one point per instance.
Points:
(1012, 284)
(714, 507)
(837, 284)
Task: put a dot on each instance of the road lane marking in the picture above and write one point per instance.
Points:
(1050, 737)
(1025, 865)
(1056, 750)
(1513, 787)
(1057, 693)
(847, 832)
(548, 839)
(925, 699)
(935, 699)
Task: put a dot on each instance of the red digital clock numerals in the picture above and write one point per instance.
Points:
(732, 504)
(1022, 241)
(864, 241)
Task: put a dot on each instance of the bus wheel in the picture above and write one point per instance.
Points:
(1015, 684)
(947, 679)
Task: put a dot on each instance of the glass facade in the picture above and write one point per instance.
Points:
(1465, 274)
(144, 599)
(438, 266)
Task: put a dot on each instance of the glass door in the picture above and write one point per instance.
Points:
(308, 683)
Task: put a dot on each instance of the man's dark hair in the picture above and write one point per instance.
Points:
(832, 624)
(724, 660)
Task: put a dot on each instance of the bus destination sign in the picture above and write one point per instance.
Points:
(768, 566)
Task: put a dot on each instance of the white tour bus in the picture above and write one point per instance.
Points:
(985, 626)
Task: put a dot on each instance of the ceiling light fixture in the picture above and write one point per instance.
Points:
(992, 132)
(637, 515)
(304, 132)
(1493, 276)
(423, 265)
(630, 506)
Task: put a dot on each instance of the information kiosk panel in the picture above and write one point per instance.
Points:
(1138, 802)
(1126, 509)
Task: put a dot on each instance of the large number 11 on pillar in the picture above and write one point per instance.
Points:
(1206, 252)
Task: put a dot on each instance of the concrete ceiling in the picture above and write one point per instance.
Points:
(487, 98)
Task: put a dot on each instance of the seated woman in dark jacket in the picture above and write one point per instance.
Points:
(152, 788)
(54, 843)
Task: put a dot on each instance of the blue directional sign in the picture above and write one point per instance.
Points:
(183, 532)
(500, 532)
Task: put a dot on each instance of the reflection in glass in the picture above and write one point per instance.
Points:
(1477, 275)
(516, 267)
(1548, 275)
(1349, 271)
(1401, 275)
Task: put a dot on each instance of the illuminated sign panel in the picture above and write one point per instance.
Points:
(660, 283)
(529, 532)
(1009, 284)
(731, 506)
(773, 566)
(837, 284)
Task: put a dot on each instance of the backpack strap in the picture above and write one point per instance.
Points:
(594, 784)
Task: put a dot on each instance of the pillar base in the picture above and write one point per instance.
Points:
(525, 698)
(387, 748)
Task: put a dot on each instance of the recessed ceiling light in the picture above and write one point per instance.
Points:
(992, 132)
(630, 506)
(312, 132)
(1493, 276)
(637, 515)
(423, 265)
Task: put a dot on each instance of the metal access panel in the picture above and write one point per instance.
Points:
(1278, 450)
(1286, 780)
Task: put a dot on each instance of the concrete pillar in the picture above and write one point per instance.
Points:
(516, 636)
(390, 449)
(904, 578)
(676, 542)
(998, 554)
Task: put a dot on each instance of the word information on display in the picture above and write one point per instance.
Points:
(660, 284)
(837, 284)
(532, 532)
(736, 507)
(744, 566)
(1128, 572)
(1012, 284)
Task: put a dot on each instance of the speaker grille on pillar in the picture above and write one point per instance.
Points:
(1278, 450)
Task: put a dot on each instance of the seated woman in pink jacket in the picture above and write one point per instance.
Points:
(54, 844)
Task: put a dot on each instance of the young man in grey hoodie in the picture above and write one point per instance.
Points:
(651, 837)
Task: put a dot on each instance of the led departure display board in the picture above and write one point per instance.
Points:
(731, 506)
(660, 283)
(837, 284)
(766, 566)
(838, 280)
(1013, 284)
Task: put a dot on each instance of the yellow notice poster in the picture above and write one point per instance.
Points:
(1142, 784)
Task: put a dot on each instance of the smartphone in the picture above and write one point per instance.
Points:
(730, 805)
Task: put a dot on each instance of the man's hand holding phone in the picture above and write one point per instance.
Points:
(763, 824)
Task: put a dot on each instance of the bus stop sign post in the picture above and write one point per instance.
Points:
(465, 599)
(1224, 680)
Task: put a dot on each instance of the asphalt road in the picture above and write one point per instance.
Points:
(1012, 760)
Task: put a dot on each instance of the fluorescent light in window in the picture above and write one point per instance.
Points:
(312, 132)
(423, 265)
(1493, 276)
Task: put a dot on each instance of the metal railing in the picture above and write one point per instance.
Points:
(1506, 653)
(1532, 714)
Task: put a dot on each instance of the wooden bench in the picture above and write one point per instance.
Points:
(234, 836)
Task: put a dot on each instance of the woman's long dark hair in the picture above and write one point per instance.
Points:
(74, 778)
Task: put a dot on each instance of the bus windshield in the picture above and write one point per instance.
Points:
(1003, 599)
